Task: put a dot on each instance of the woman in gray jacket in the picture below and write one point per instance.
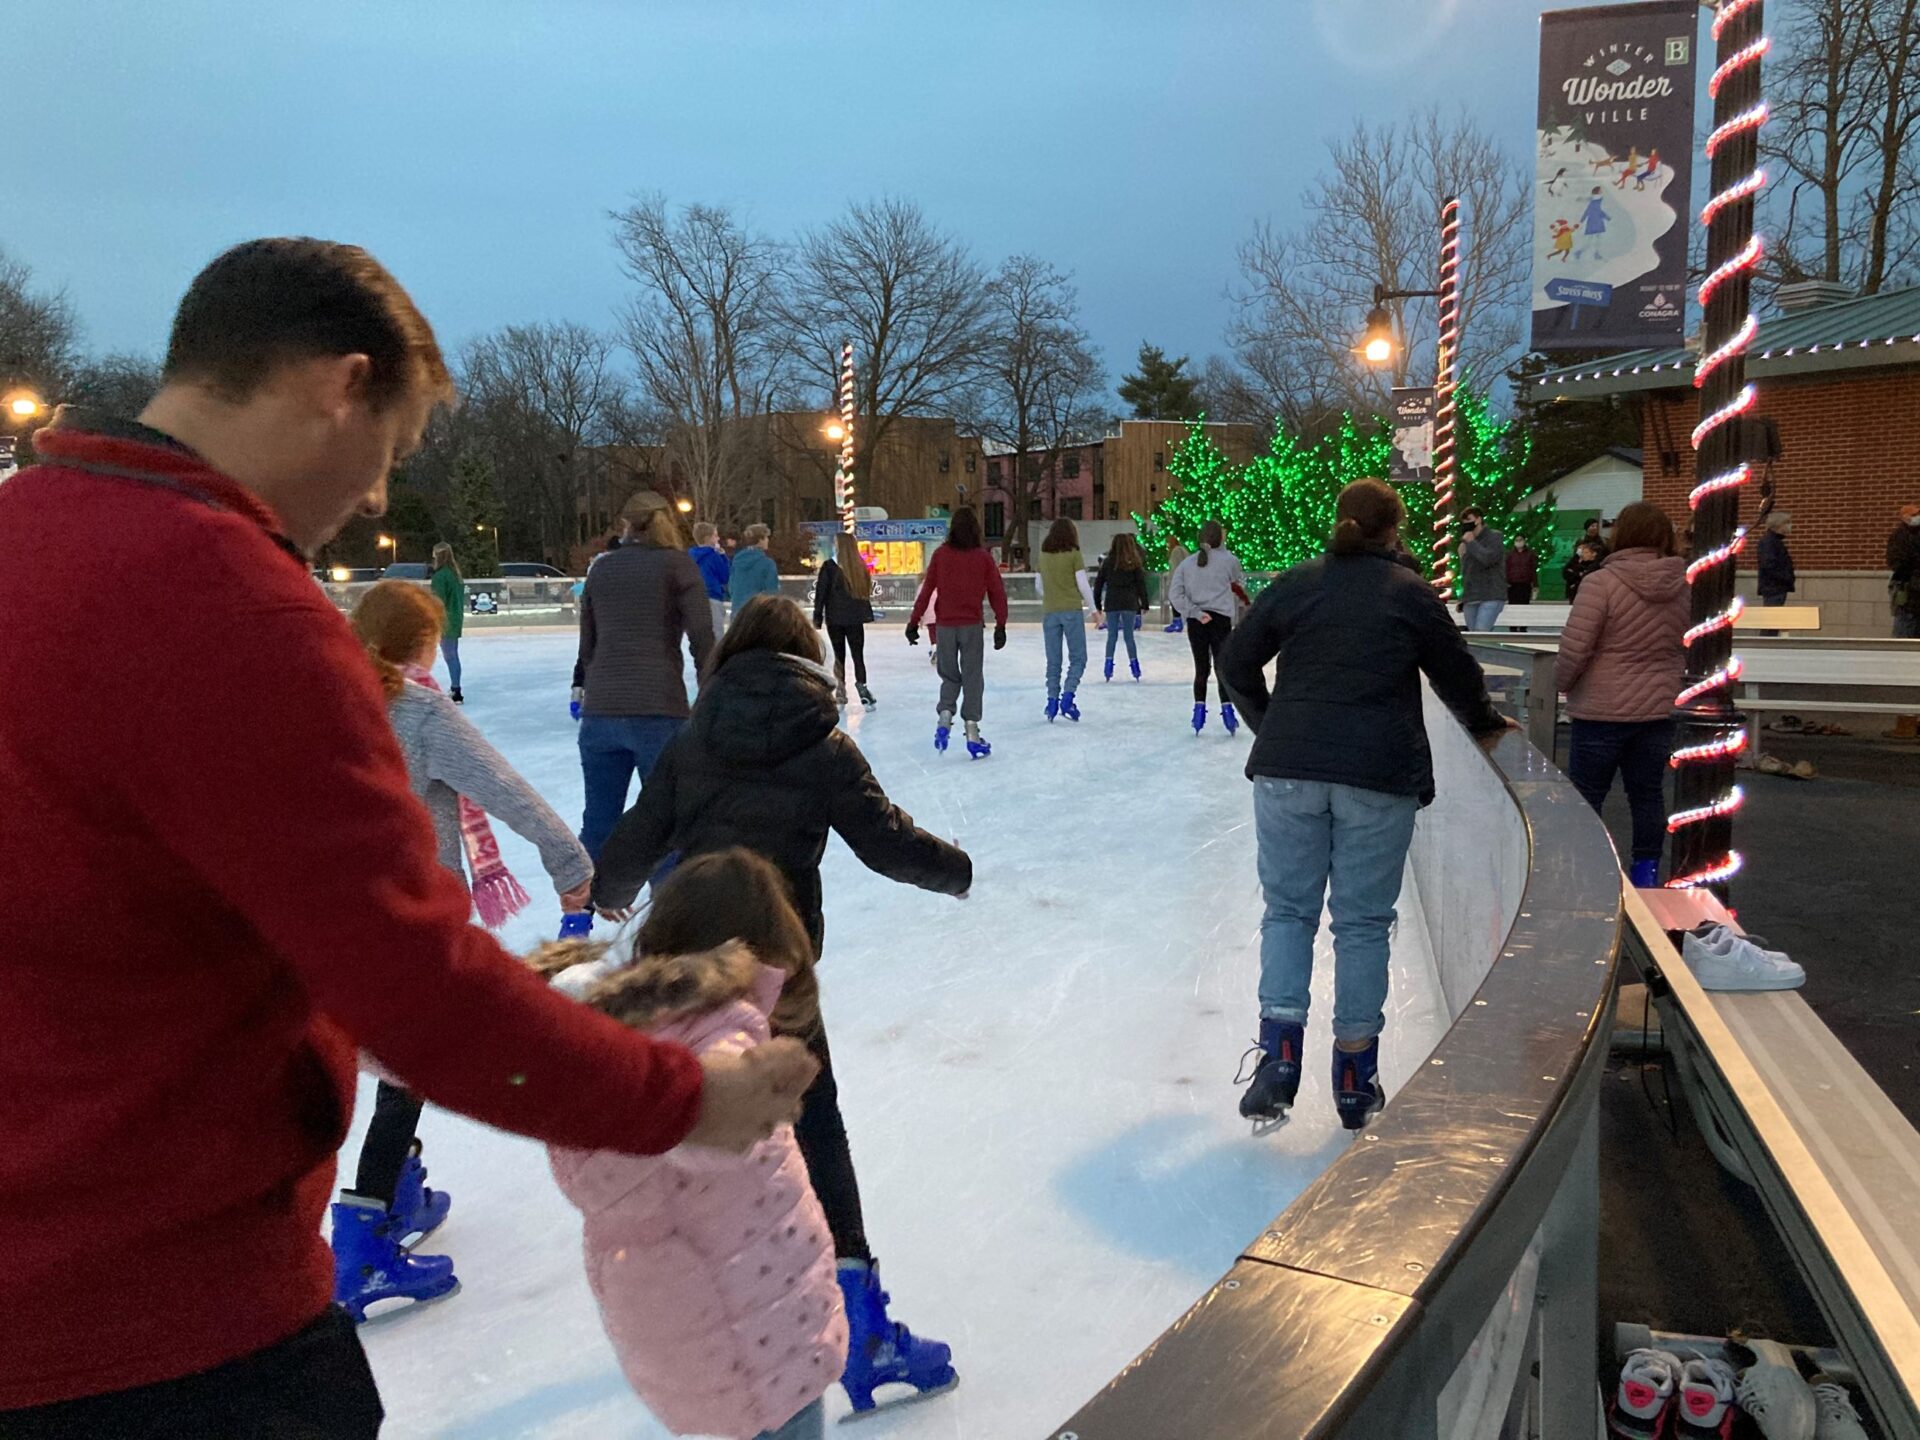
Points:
(1207, 592)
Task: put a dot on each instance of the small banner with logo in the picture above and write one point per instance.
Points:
(1412, 435)
(1613, 166)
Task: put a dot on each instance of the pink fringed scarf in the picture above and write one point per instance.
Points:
(496, 894)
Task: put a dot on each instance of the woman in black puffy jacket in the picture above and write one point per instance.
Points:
(763, 764)
(1120, 589)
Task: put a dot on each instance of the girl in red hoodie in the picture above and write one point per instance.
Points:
(966, 578)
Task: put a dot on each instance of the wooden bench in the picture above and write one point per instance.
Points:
(1835, 1163)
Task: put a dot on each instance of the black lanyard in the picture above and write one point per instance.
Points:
(180, 487)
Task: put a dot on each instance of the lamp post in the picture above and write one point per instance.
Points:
(387, 542)
(1377, 347)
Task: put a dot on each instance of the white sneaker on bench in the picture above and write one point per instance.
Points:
(1722, 960)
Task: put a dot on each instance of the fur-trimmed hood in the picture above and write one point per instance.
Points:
(653, 991)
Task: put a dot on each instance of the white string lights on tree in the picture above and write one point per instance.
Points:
(1446, 450)
(843, 497)
(1716, 735)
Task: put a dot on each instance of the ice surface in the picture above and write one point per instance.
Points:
(1037, 1080)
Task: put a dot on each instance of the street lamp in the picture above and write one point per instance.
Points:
(387, 542)
(835, 431)
(24, 405)
(683, 505)
(1378, 347)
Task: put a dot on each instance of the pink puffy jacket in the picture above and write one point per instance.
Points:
(1623, 654)
(714, 1272)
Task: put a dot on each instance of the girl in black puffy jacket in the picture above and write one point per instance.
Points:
(763, 764)
(1120, 589)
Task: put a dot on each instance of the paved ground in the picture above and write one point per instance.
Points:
(1830, 879)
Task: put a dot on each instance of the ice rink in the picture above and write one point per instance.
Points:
(1037, 1080)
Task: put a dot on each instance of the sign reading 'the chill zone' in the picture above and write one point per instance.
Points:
(1613, 170)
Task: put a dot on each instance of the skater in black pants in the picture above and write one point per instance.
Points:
(764, 766)
(1207, 591)
(843, 602)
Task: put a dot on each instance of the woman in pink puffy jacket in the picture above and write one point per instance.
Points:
(714, 1272)
(1622, 661)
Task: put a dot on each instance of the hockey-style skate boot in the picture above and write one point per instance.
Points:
(1199, 718)
(1109, 669)
(1645, 874)
(1068, 708)
(418, 1209)
(882, 1352)
(1134, 665)
(942, 730)
(1276, 1079)
(576, 925)
(1228, 718)
(369, 1266)
(1356, 1084)
(977, 749)
(866, 695)
(1053, 707)
(1176, 627)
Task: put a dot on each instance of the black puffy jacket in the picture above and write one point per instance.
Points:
(834, 603)
(763, 764)
(1353, 633)
(1119, 589)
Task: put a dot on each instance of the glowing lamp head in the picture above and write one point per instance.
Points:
(23, 406)
(341, 574)
(385, 542)
(836, 431)
(684, 506)
(1377, 346)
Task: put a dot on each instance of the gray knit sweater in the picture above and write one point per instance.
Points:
(448, 758)
(639, 600)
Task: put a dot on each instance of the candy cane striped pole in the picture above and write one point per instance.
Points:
(1446, 455)
(843, 497)
(1713, 731)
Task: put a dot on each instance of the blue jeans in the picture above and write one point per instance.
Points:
(1119, 623)
(1070, 626)
(1637, 751)
(1346, 847)
(450, 652)
(809, 1424)
(1484, 614)
(613, 749)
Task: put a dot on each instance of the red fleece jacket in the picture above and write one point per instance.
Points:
(959, 582)
(214, 883)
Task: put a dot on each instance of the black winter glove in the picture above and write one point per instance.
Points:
(913, 634)
(999, 637)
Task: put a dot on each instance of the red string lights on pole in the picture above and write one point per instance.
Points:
(1714, 731)
(1446, 452)
(843, 471)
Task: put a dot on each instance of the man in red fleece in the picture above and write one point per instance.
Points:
(215, 883)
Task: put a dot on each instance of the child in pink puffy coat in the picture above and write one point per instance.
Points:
(714, 1272)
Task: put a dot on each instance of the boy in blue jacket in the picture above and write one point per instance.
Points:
(714, 570)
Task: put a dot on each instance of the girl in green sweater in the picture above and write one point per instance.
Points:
(451, 591)
(1066, 597)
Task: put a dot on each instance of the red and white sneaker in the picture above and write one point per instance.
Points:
(1647, 1384)
(1706, 1398)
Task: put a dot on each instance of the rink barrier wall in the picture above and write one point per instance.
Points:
(1415, 1286)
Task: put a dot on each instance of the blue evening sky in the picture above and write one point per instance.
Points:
(475, 145)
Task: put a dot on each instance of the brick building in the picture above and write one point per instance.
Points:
(1123, 472)
(1841, 381)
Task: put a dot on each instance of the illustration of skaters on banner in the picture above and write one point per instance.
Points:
(1412, 457)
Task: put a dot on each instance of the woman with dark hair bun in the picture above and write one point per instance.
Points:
(1340, 766)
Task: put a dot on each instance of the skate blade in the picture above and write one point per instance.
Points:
(415, 1242)
(1264, 1125)
(394, 1312)
(882, 1407)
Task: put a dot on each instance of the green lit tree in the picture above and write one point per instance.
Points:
(1203, 487)
(1494, 473)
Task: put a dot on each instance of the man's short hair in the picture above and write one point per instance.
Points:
(703, 531)
(269, 303)
(754, 534)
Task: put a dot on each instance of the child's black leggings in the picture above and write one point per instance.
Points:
(1208, 641)
(822, 1134)
(396, 1116)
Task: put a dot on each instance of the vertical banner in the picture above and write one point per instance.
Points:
(8, 462)
(1613, 175)
(1412, 434)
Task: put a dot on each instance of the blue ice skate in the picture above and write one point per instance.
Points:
(1176, 627)
(1068, 708)
(1228, 718)
(977, 749)
(942, 731)
(1053, 707)
(1356, 1085)
(1109, 668)
(576, 925)
(418, 1209)
(1199, 718)
(1276, 1079)
(1645, 874)
(1134, 665)
(883, 1352)
(369, 1266)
